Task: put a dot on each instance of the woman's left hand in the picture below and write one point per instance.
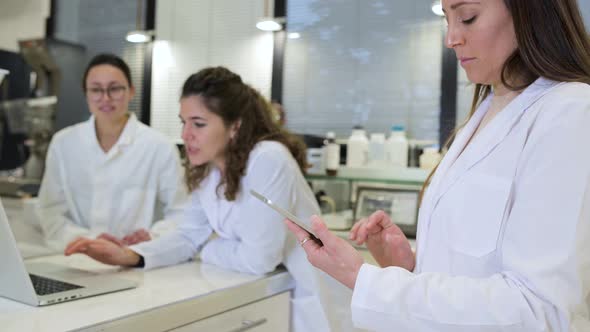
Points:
(385, 240)
(112, 238)
(136, 237)
(336, 257)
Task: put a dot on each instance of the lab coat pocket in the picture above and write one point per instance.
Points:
(479, 210)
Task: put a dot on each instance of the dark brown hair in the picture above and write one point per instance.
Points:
(111, 60)
(552, 43)
(225, 95)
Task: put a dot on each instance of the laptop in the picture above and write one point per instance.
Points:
(41, 284)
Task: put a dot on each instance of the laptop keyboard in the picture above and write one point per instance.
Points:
(44, 286)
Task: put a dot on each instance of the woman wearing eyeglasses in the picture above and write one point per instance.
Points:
(107, 177)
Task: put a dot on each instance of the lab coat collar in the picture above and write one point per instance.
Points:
(460, 158)
(129, 132)
(127, 136)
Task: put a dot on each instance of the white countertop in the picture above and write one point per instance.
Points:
(166, 297)
(196, 290)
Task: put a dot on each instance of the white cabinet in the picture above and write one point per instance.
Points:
(267, 315)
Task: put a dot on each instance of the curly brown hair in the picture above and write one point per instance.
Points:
(226, 95)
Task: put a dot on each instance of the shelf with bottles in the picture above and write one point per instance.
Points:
(386, 175)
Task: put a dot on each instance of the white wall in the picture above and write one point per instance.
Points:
(193, 34)
(21, 19)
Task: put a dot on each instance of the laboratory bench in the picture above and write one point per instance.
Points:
(188, 297)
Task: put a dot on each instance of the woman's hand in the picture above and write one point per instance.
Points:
(385, 240)
(336, 257)
(110, 237)
(136, 237)
(104, 251)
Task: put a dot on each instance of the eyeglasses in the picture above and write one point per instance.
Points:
(116, 92)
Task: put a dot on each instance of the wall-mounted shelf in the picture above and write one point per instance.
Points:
(389, 175)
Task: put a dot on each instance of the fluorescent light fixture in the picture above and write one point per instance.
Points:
(139, 36)
(437, 8)
(269, 24)
(294, 35)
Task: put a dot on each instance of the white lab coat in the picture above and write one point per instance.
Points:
(251, 237)
(86, 191)
(504, 230)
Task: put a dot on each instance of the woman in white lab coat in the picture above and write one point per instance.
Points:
(108, 176)
(233, 146)
(504, 226)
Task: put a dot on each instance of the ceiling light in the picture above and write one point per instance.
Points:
(270, 24)
(294, 35)
(437, 8)
(139, 36)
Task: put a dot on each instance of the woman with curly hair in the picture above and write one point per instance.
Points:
(232, 145)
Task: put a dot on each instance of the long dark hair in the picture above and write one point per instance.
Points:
(225, 94)
(552, 43)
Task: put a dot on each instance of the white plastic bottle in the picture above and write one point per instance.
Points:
(357, 148)
(377, 150)
(429, 158)
(396, 147)
(331, 154)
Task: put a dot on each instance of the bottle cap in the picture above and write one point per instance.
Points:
(398, 128)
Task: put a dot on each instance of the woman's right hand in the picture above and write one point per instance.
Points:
(385, 240)
(104, 251)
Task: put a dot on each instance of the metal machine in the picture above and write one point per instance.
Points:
(31, 113)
